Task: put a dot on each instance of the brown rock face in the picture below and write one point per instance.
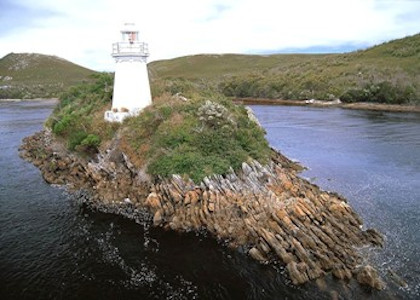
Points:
(110, 177)
(279, 215)
(266, 209)
(367, 275)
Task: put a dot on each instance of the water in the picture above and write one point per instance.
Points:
(373, 159)
(50, 248)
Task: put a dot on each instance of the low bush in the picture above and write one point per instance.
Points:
(383, 92)
(75, 138)
(92, 141)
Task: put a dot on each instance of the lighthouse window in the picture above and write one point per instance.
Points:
(133, 36)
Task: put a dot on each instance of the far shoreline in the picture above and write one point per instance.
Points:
(323, 104)
(50, 100)
(281, 102)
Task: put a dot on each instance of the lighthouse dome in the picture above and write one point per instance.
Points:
(129, 27)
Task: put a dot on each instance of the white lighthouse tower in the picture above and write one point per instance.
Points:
(131, 83)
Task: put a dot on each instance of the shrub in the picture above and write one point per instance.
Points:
(76, 138)
(61, 126)
(178, 85)
(383, 92)
(89, 144)
(188, 161)
(214, 114)
(353, 95)
(92, 141)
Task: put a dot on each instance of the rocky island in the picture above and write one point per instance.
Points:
(202, 164)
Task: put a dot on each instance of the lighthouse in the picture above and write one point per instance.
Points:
(131, 82)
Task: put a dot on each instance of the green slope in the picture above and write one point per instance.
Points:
(29, 75)
(391, 68)
(388, 73)
(215, 65)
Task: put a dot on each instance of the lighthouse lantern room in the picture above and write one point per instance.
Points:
(131, 82)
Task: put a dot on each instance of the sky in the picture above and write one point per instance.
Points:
(83, 31)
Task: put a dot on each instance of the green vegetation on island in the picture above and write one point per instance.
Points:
(200, 136)
(79, 116)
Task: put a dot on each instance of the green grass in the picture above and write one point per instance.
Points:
(27, 75)
(214, 66)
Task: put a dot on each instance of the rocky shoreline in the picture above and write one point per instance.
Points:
(267, 211)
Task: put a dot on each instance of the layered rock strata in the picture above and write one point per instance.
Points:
(268, 210)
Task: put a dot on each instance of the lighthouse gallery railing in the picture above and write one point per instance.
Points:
(124, 48)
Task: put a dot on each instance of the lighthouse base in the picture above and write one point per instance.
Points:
(112, 116)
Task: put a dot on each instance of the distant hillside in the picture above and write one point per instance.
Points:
(29, 75)
(389, 73)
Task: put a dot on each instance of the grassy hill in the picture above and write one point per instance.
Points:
(388, 73)
(29, 75)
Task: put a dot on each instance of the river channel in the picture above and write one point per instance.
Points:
(51, 248)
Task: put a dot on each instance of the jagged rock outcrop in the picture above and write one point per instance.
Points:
(266, 210)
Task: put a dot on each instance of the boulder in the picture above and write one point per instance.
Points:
(368, 276)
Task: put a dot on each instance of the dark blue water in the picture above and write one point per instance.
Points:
(373, 159)
(51, 248)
